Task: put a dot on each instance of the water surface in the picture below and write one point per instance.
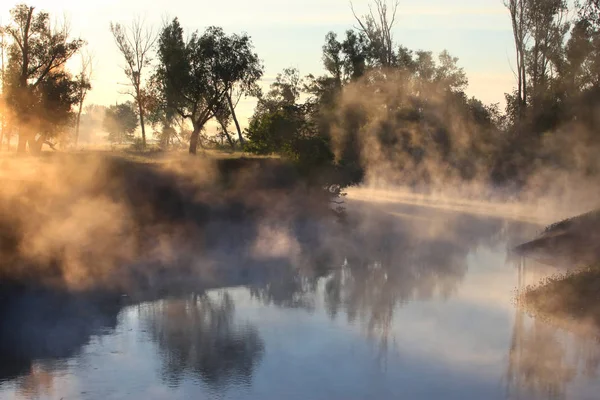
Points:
(410, 301)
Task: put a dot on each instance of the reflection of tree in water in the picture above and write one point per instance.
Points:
(198, 335)
(543, 359)
(293, 291)
(537, 363)
(40, 380)
(41, 329)
(390, 261)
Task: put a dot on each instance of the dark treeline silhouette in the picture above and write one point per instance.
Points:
(380, 106)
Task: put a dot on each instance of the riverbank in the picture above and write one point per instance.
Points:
(84, 234)
(88, 221)
(570, 299)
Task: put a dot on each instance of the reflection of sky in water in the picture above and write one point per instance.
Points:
(441, 332)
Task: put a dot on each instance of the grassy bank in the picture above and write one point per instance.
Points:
(571, 300)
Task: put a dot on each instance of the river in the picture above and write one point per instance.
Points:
(415, 301)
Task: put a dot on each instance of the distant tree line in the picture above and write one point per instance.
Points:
(412, 113)
(407, 111)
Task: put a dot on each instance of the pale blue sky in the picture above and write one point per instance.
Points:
(291, 33)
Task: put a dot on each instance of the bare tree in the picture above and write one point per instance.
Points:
(84, 79)
(135, 44)
(377, 26)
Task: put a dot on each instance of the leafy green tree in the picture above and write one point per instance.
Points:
(120, 121)
(38, 88)
(282, 125)
(289, 131)
(57, 95)
(196, 77)
(346, 60)
(284, 91)
(333, 58)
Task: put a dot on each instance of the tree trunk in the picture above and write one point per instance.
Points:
(227, 135)
(524, 76)
(194, 140)
(237, 124)
(35, 145)
(22, 143)
(77, 123)
(143, 128)
(142, 125)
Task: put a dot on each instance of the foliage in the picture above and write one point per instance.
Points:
(284, 127)
(558, 87)
(418, 121)
(120, 121)
(195, 76)
(39, 90)
(377, 102)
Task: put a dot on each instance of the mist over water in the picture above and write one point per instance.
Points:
(360, 236)
(413, 296)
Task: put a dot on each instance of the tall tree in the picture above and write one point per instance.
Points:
(539, 29)
(285, 90)
(84, 79)
(546, 23)
(333, 58)
(518, 17)
(377, 26)
(244, 69)
(36, 60)
(57, 96)
(356, 54)
(135, 45)
(196, 77)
